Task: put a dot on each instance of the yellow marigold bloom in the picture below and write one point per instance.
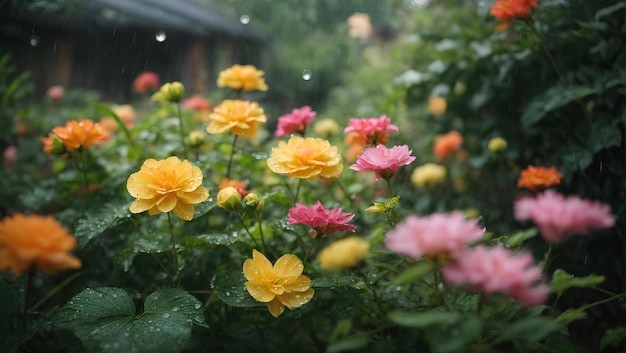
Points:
(428, 174)
(344, 253)
(306, 158)
(326, 127)
(437, 105)
(80, 133)
(167, 185)
(282, 285)
(497, 144)
(35, 240)
(240, 117)
(242, 77)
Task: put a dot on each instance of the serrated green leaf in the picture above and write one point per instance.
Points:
(148, 244)
(94, 224)
(562, 281)
(516, 239)
(229, 286)
(348, 280)
(104, 319)
(414, 273)
(453, 339)
(207, 241)
(424, 319)
(609, 10)
(552, 99)
(528, 330)
(571, 315)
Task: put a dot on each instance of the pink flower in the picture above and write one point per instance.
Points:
(322, 220)
(496, 270)
(371, 131)
(10, 155)
(197, 103)
(383, 161)
(437, 234)
(56, 93)
(297, 121)
(556, 216)
(146, 81)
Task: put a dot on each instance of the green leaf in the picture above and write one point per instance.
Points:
(453, 339)
(562, 281)
(571, 315)
(424, 319)
(347, 280)
(552, 99)
(104, 319)
(106, 111)
(350, 343)
(604, 135)
(229, 286)
(207, 241)
(94, 224)
(153, 243)
(413, 274)
(11, 298)
(609, 10)
(528, 330)
(516, 239)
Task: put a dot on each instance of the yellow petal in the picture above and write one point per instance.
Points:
(198, 195)
(258, 269)
(141, 205)
(296, 299)
(137, 187)
(275, 307)
(299, 284)
(194, 179)
(260, 292)
(184, 211)
(288, 266)
(167, 203)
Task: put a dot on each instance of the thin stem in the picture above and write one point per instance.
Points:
(182, 131)
(438, 283)
(243, 224)
(230, 159)
(377, 299)
(55, 290)
(258, 221)
(174, 264)
(389, 187)
(350, 198)
(591, 305)
(546, 262)
(295, 198)
(27, 294)
(310, 249)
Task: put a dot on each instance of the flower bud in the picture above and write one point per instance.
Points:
(196, 138)
(497, 144)
(58, 148)
(428, 175)
(326, 127)
(252, 201)
(376, 208)
(228, 199)
(175, 92)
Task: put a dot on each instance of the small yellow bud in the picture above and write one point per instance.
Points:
(228, 198)
(252, 201)
(428, 174)
(326, 127)
(158, 96)
(459, 88)
(196, 138)
(344, 253)
(497, 144)
(176, 91)
(472, 213)
(376, 208)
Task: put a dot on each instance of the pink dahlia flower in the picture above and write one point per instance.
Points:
(371, 131)
(322, 220)
(557, 216)
(296, 121)
(197, 103)
(146, 81)
(433, 235)
(383, 161)
(497, 270)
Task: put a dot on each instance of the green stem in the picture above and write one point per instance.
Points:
(591, 305)
(27, 294)
(438, 283)
(55, 290)
(243, 224)
(174, 264)
(230, 159)
(258, 221)
(295, 198)
(310, 249)
(389, 187)
(182, 131)
(350, 198)
(546, 262)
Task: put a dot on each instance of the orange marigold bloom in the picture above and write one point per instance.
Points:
(507, 10)
(240, 117)
(533, 178)
(306, 158)
(239, 185)
(167, 185)
(35, 240)
(242, 77)
(446, 144)
(80, 133)
(282, 285)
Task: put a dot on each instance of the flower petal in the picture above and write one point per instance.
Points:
(184, 211)
(298, 284)
(167, 203)
(288, 266)
(296, 299)
(275, 307)
(260, 292)
(141, 205)
(198, 195)
(258, 269)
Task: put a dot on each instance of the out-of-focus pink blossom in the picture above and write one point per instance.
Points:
(56, 93)
(557, 216)
(322, 221)
(436, 234)
(196, 103)
(10, 155)
(497, 270)
(360, 26)
(371, 131)
(146, 82)
(383, 161)
(296, 121)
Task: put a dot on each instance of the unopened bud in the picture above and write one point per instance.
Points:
(252, 201)
(228, 198)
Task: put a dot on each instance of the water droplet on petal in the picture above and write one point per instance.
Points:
(165, 316)
(160, 36)
(244, 19)
(306, 74)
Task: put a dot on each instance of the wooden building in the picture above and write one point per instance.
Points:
(104, 44)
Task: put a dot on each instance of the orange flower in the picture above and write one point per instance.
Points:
(533, 178)
(80, 134)
(167, 185)
(34, 240)
(446, 144)
(242, 77)
(306, 158)
(507, 10)
(240, 186)
(240, 117)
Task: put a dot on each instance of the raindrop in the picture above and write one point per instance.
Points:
(244, 19)
(165, 316)
(176, 308)
(398, 288)
(600, 166)
(306, 74)
(34, 41)
(160, 36)
(228, 294)
(54, 49)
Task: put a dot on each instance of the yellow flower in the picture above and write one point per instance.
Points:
(437, 105)
(344, 253)
(280, 285)
(167, 185)
(196, 138)
(228, 198)
(244, 77)
(169, 92)
(326, 127)
(428, 174)
(497, 144)
(240, 117)
(35, 240)
(306, 158)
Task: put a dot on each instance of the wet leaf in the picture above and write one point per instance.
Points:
(562, 281)
(229, 286)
